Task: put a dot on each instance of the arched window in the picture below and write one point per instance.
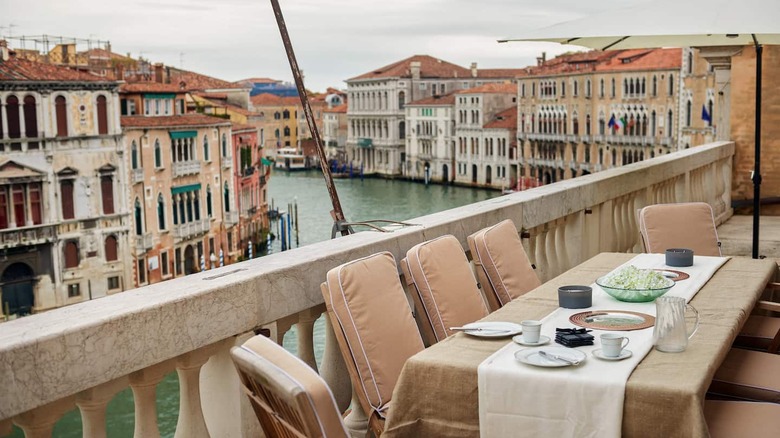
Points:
(688, 108)
(209, 210)
(224, 145)
(402, 129)
(12, 117)
(61, 114)
(671, 84)
(401, 100)
(30, 118)
(652, 124)
(286, 131)
(587, 88)
(690, 62)
(669, 121)
(196, 204)
(710, 113)
(587, 124)
(601, 88)
(575, 125)
(576, 88)
(613, 87)
(71, 254)
(111, 246)
(157, 154)
(174, 204)
(227, 198)
(134, 155)
(102, 113)
(286, 114)
(139, 217)
(107, 193)
(160, 212)
(206, 156)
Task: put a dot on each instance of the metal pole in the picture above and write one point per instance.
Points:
(338, 214)
(757, 168)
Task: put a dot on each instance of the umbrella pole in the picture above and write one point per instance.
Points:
(757, 168)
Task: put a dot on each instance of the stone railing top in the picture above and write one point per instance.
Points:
(52, 355)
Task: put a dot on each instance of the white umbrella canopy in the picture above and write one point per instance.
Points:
(665, 23)
(679, 23)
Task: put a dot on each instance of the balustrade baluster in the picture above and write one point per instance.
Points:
(334, 370)
(306, 334)
(144, 385)
(357, 420)
(191, 423)
(39, 422)
(92, 404)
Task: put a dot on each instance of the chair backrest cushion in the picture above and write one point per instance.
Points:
(369, 304)
(685, 225)
(501, 260)
(442, 277)
(288, 383)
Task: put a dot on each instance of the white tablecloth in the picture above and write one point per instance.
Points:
(518, 399)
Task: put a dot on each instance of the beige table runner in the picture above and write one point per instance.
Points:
(586, 400)
(436, 394)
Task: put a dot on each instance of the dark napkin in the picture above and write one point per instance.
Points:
(573, 337)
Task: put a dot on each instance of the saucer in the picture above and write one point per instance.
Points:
(624, 354)
(542, 340)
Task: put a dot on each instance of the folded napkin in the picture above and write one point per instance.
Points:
(573, 337)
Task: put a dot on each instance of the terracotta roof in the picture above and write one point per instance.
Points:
(572, 62)
(501, 72)
(266, 99)
(447, 99)
(260, 81)
(337, 109)
(238, 127)
(642, 59)
(194, 120)
(197, 81)
(506, 119)
(103, 53)
(430, 67)
(221, 96)
(17, 69)
(149, 87)
(491, 88)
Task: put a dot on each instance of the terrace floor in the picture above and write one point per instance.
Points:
(736, 236)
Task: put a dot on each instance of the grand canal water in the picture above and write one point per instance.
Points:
(360, 199)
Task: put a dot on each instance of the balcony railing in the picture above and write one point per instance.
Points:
(32, 235)
(182, 168)
(143, 243)
(105, 345)
(190, 229)
(231, 217)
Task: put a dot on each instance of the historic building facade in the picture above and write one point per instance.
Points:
(430, 144)
(64, 222)
(585, 112)
(376, 114)
(182, 196)
(251, 177)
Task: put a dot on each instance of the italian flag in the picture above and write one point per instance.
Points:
(621, 122)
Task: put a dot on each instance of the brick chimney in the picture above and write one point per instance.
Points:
(473, 69)
(4, 52)
(158, 73)
(414, 68)
(541, 59)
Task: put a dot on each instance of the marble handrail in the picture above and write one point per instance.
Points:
(82, 354)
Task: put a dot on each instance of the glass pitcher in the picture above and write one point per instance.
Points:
(670, 334)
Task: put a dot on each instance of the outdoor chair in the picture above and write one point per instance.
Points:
(442, 286)
(727, 419)
(692, 225)
(289, 398)
(374, 328)
(748, 375)
(685, 225)
(502, 264)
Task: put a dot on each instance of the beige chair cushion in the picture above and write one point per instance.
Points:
(748, 375)
(730, 419)
(686, 225)
(502, 264)
(369, 304)
(441, 275)
(288, 382)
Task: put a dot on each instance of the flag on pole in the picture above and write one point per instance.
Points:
(705, 115)
(620, 123)
(611, 123)
(221, 258)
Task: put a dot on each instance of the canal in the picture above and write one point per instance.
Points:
(361, 200)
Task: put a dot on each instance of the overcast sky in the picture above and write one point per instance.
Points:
(333, 40)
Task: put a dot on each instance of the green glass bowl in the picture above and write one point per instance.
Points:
(635, 295)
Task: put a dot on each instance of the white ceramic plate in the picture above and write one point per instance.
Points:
(542, 340)
(493, 329)
(531, 356)
(624, 354)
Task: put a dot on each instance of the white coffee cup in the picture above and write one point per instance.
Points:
(612, 344)
(531, 330)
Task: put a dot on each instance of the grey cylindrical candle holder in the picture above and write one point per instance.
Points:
(575, 297)
(679, 257)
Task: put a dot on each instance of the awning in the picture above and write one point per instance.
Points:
(159, 96)
(184, 189)
(184, 134)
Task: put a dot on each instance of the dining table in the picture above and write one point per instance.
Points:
(437, 393)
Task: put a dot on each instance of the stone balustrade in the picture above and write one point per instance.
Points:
(81, 355)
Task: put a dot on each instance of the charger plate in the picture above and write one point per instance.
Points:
(673, 275)
(625, 320)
